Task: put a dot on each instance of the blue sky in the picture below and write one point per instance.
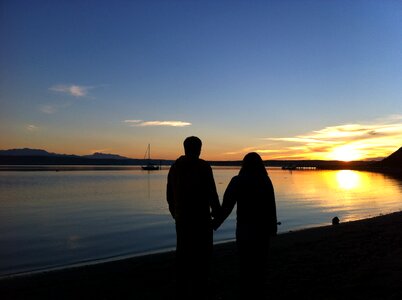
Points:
(80, 76)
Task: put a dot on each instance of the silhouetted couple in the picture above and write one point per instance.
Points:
(194, 204)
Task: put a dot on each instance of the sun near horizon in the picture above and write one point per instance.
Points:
(345, 154)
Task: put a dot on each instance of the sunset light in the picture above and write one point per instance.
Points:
(345, 153)
(257, 80)
(347, 142)
(152, 131)
(347, 179)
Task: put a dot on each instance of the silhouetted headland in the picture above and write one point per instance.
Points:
(355, 260)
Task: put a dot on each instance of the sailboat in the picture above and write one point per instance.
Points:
(149, 166)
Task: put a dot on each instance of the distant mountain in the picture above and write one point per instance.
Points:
(42, 153)
(28, 156)
(27, 152)
(394, 160)
(99, 155)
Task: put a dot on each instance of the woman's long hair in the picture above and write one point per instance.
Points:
(253, 165)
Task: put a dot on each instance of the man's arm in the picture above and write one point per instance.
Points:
(229, 198)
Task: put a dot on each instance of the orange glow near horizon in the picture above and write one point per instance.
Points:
(345, 153)
(341, 153)
(171, 152)
(348, 142)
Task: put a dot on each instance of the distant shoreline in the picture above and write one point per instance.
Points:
(38, 157)
(9, 160)
(295, 165)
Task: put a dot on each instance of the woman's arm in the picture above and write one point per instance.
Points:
(229, 201)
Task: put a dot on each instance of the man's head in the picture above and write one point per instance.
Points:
(192, 146)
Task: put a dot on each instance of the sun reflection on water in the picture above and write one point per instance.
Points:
(348, 180)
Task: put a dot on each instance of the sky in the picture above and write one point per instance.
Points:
(288, 79)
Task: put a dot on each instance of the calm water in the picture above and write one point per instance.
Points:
(51, 219)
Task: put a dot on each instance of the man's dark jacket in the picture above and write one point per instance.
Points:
(191, 192)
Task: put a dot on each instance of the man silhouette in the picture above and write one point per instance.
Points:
(193, 202)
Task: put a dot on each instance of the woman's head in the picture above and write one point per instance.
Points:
(253, 164)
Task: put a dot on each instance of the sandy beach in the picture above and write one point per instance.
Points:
(355, 260)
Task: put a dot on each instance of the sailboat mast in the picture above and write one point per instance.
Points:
(149, 166)
(149, 151)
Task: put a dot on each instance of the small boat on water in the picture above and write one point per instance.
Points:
(149, 166)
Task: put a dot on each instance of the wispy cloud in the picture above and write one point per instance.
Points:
(340, 142)
(142, 123)
(133, 121)
(31, 127)
(53, 108)
(72, 90)
(48, 109)
(344, 142)
(76, 91)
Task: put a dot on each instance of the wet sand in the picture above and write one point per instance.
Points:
(355, 260)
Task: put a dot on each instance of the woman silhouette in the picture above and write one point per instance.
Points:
(253, 192)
